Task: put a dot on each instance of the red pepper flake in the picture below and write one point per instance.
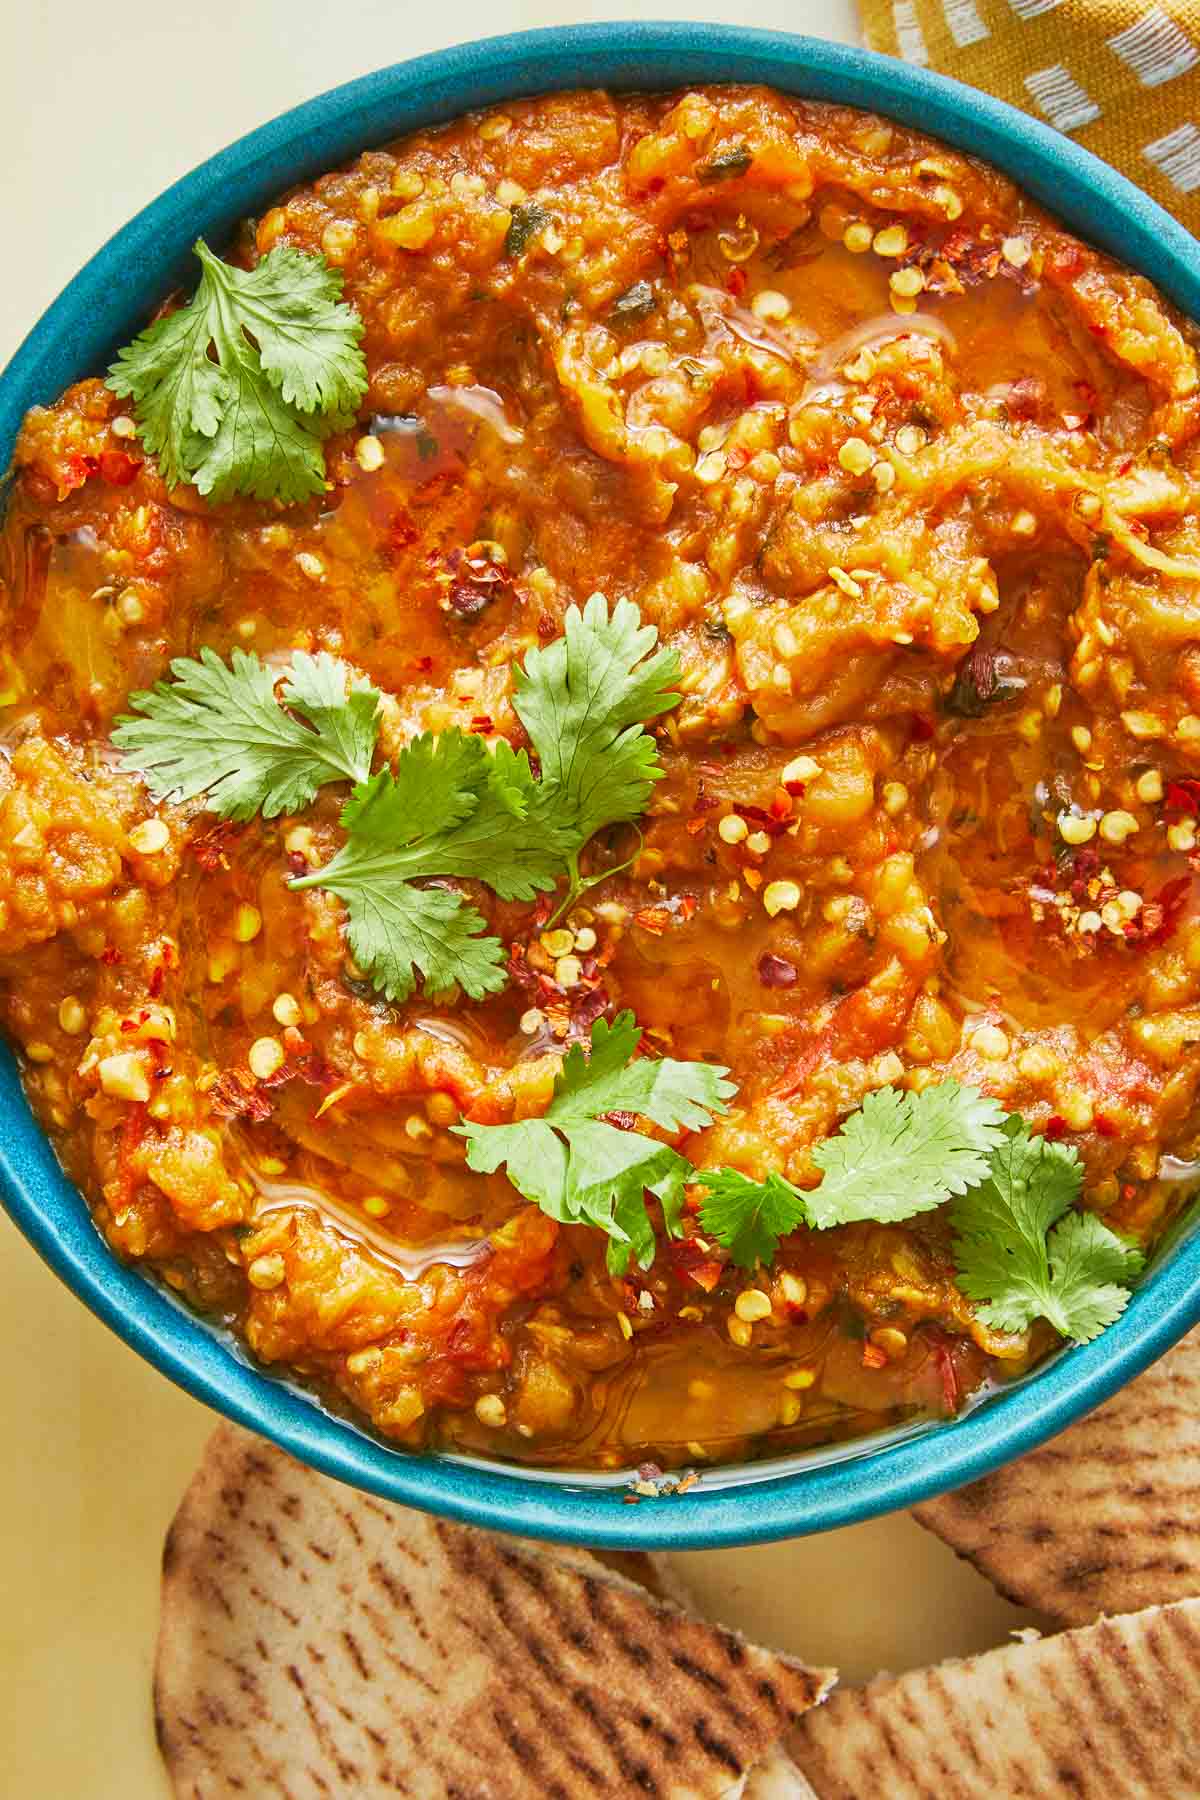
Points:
(134, 1128)
(482, 723)
(1105, 1126)
(873, 1357)
(1087, 396)
(654, 919)
(693, 1259)
(1184, 795)
(401, 532)
(307, 1067)
(1055, 1127)
(76, 470)
(695, 826)
(211, 849)
(117, 468)
(949, 1374)
(776, 971)
(423, 665)
(110, 956)
(922, 727)
(736, 282)
(1160, 916)
(237, 1096)
(1026, 397)
(773, 823)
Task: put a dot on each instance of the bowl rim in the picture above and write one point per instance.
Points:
(101, 307)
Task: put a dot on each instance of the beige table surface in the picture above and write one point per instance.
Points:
(100, 108)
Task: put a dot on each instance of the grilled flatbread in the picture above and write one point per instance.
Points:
(777, 1779)
(318, 1643)
(1103, 1519)
(1111, 1712)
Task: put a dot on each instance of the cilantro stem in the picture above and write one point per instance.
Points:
(579, 884)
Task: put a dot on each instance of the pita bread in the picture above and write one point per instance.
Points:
(777, 1779)
(318, 1643)
(1103, 1519)
(1111, 1712)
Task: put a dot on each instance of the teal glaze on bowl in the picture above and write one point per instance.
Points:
(103, 307)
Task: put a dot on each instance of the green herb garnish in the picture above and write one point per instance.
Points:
(218, 729)
(448, 809)
(584, 700)
(749, 1217)
(900, 1154)
(1024, 1253)
(580, 1168)
(237, 390)
(526, 222)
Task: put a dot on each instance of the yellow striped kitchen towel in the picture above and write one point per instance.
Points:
(1120, 76)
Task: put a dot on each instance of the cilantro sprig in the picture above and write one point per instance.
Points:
(218, 729)
(899, 1155)
(1024, 1253)
(584, 700)
(582, 1169)
(237, 390)
(447, 809)
(749, 1217)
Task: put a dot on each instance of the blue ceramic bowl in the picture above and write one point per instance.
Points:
(103, 307)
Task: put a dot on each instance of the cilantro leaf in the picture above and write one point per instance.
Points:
(904, 1153)
(584, 700)
(217, 729)
(1090, 1271)
(900, 1154)
(447, 809)
(581, 1169)
(394, 930)
(749, 1217)
(236, 390)
(341, 708)
(1024, 1254)
(436, 783)
(307, 336)
(511, 778)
